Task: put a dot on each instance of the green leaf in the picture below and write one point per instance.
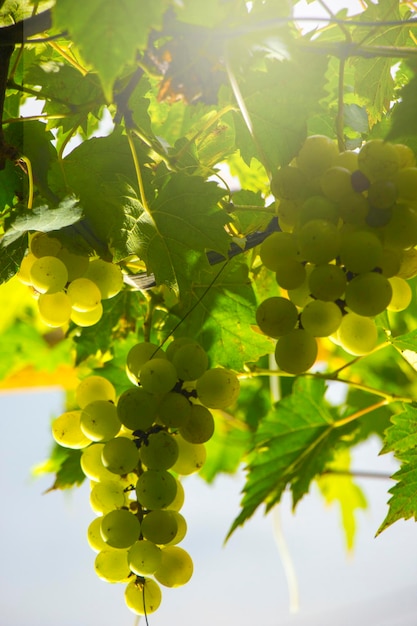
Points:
(403, 119)
(292, 445)
(401, 439)
(42, 218)
(108, 36)
(65, 464)
(11, 257)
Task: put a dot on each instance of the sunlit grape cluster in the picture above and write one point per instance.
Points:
(68, 286)
(134, 449)
(346, 247)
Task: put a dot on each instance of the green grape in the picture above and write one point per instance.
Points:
(139, 355)
(92, 465)
(296, 352)
(175, 345)
(181, 529)
(143, 596)
(382, 194)
(391, 261)
(319, 241)
(401, 294)
(316, 155)
(66, 431)
(290, 274)
(107, 276)
(327, 282)
(190, 361)
(48, 275)
(87, 318)
(358, 335)
(174, 410)
(112, 566)
(99, 420)
(406, 183)
(353, 208)
(360, 251)
(405, 155)
(218, 388)
(401, 230)
(191, 457)
(156, 489)
(276, 316)
(84, 294)
(321, 318)
(347, 159)
(23, 275)
(120, 528)
(277, 248)
(76, 264)
(144, 557)
(160, 526)
(178, 501)
(94, 388)
(137, 408)
(94, 538)
(158, 376)
(288, 214)
(408, 267)
(54, 308)
(336, 183)
(159, 451)
(318, 208)
(368, 294)
(290, 183)
(106, 496)
(200, 426)
(120, 455)
(302, 295)
(176, 567)
(42, 244)
(378, 160)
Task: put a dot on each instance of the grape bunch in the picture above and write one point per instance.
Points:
(134, 449)
(68, 286)
(345, 249)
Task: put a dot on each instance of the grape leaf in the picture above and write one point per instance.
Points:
(401, 439)
(11, 257)
(406, 342)
(293, 444)
(124, 29)
(403, 119)
(65, 464)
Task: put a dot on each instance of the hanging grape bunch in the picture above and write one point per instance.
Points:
(134, 449)
(68, 286)
(345, 250)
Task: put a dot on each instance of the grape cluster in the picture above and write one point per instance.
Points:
(134, 448)
(345, 249)
(67, 286)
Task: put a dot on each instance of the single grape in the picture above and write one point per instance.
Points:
(401, 230)
(336, 183)
(139, 355)
(23, 275)
(368, 294)
(160, 526)
(92, 465)
(84, 294)
(408, 267)
(358, 335)
(319, 241)
(327, 282)
(107, 276)
(347, 159)
(158, 376)
(190, 361)
(106, 496)
(378, 160)
(353, 209)
(54, 309)
(120, 455)
(137, 409)
(87, 318)
(318, 208)
(406, 155)
(191, 457)
(156, 489)
(144, 557)
(200, 426)
(94, 538)
(296, 352)
(290, 183)
(181, 529)
(276, 316)
(290, 274)
(178, 501)
(99, 421)
(316, 155)
(143, 596)
(48, 275)
(176, 567)
(112, 565)
(277, 248)
(120, 528)
(406, 183)
(401, 294)
(288, 215)
(94, 388)
(360, 251)
(174, 410)
(41, 244)
(320, 318)
(218, 388)
(66, 431)
(159, 451)
(382, 194)
(302, 295)
(76, 264)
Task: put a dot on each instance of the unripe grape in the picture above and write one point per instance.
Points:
(290, 183)
(319, 241)
(406, 155)
(41, 244)
(156, 489)
(176, 567)
(277, 248)
(106, 496)
(137, 408)
(290, 274)
(174, 410)
(159, 451)
(368, 294)
(321, 319)
(218, 388)
(408, 267)
(160, 526)
(327, 282)
(139, 355)
(143, 596)
(48, 275)
(382, 194)
(401, 230)
(191, 457)
(158, 376)
(112, 565)
(120, 528)
(296, 352)
(347, 159)
(276, 316)
(358, 335)
(190, 361)
(200, 426)
(336, 183)
(92, 464)
(360, 251)
(318, 208)
(120, 455)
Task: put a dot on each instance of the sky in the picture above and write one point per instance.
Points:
(47, 568)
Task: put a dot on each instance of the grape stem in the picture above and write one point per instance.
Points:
(138, 172)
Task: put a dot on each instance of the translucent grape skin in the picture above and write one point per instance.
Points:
(160, 526)
(159, 451)
(158, 376)
(107, 276)
(218, 388)
(48, 275)
(137, 408)
(321, 319)
(358, 335)
(120, 528)
(276, 316)
(94, 388)
(66, 431)
(84, 294)
(176, 567)
(99, 420)
(190, 361)
(296, 352)
(156, 489)
(54, 309)
(200, 426)
(120, 455)
(144, 557)
(143, 596)
(368, 294)
(191, 457)
(174, 410)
